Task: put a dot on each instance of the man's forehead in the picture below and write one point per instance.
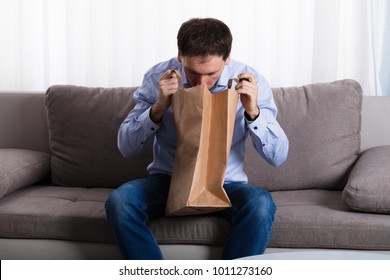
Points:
(205, 59)
(200, 65)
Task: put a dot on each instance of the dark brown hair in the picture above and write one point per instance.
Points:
(204, 36)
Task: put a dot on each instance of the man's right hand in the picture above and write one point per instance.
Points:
(168, 85)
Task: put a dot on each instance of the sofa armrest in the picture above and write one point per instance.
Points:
(20, 168)
(368, 186)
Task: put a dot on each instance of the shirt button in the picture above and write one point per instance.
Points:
(142, 143)
(152, 128)
(255, 128)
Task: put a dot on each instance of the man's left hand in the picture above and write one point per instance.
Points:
(248, 90)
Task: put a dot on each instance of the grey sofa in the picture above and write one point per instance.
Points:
(59, 162)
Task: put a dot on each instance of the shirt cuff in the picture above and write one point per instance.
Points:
(258, 126)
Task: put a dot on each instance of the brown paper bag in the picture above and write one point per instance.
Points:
(204, 129)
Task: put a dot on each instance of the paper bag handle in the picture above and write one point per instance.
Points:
(230, 82)
(179, 79)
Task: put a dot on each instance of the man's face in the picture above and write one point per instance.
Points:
(203, 70)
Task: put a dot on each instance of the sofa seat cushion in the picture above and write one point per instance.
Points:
(320, 219)
(304, 219)
(322, 123)
(368, 187)
(78, 214)
(55, 213)
(21, 168)
(83, 126)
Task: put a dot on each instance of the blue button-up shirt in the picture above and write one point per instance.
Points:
(267, 136)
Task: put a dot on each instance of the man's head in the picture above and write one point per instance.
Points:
(204, 49)
(204, 37)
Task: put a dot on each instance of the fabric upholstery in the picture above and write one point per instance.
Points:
(322, 122)
(78, 214)
(320, 219)
(304, 219)
(83, 126)
(368, 187)
(56, 213)
(21, 168)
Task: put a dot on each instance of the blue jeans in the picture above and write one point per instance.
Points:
(131, 206)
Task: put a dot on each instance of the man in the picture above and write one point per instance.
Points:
(204, 47)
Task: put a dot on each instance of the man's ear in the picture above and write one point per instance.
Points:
(179, 56)
(227, 61)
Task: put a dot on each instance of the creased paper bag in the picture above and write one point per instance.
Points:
(204, 128)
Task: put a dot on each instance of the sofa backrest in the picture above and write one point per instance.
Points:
(27, 129)
(322, 122)
(83, 125)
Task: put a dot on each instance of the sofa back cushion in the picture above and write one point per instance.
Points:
(83, 126)
(322, 122)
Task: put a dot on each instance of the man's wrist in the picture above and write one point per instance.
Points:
(156, 114)
(252, 117)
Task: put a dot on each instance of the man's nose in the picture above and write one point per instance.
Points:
(202, 80)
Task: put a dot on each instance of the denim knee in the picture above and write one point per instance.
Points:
(259, 202)
(145, 196)
(122, 198)
(113, 203)
(263, 199)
